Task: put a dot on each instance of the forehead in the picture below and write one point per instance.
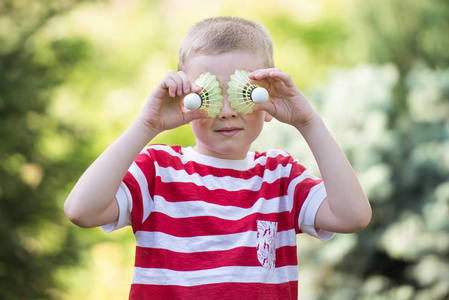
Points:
(222, 65)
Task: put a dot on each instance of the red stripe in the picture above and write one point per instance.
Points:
(241, 256)
(148, 169)
(228, 291)
(207, 225)
(166, 160)
(188, 191)
(301, 193)
(137, 210)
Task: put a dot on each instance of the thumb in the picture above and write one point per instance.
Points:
(192, 115)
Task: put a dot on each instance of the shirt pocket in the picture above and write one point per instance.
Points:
(266, 243)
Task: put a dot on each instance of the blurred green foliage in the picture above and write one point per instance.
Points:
(74, 74)
(35, 237)
(391, 116)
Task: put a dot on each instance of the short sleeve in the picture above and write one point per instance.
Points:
(124, 202)
(307, 215)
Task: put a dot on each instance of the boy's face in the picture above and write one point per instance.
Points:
(229, 135)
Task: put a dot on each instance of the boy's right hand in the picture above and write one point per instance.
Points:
(92, 201)
(164, 110)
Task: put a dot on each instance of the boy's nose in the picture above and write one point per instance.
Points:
(227, 111)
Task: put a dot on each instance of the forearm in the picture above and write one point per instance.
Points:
(346, 208)
(92, 200)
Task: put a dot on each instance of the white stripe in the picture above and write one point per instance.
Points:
(306, 219)
(188, 209)
(147, 202)
(217, 275)
(297, 180)
(228, 183)
(125, 204)
(165, 148)
(310, 207)
(189, 154)
(223, 242)
(201, 208)
(241, 165)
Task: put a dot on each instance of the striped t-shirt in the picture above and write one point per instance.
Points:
(209, 228)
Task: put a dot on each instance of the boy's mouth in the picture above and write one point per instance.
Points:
(228, 131)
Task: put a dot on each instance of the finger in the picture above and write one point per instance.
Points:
(178, 81)
(171, 86)
(196, 89)
(262, 73)
(284, 77)
(268, 107)
(186, 84)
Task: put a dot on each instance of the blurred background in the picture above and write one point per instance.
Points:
(74, 74)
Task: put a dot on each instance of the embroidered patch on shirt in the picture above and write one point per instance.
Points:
(266, 245)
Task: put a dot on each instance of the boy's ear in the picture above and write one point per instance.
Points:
(268, 117)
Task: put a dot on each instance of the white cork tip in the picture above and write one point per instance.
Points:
(259, 95)
(192, 101)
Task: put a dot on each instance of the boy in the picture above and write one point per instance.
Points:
(216, 221)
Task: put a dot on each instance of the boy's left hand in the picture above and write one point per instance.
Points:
(286, 103)
(346, 208)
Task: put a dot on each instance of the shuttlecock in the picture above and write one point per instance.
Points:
(243, 94)
(209, 99)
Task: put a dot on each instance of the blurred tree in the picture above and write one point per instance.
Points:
(398, 142)
(404, 169)
(391, 116)
(36, 152)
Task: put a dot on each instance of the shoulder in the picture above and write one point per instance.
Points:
(274, 155)
(162, 147)
(275, 158)
(159, 152)
(156, 150)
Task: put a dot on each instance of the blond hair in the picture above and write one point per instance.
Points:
(225, 34)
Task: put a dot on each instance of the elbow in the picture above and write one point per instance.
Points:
(355, 221)
(361, 215)
(362, 221)
(76, 216)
